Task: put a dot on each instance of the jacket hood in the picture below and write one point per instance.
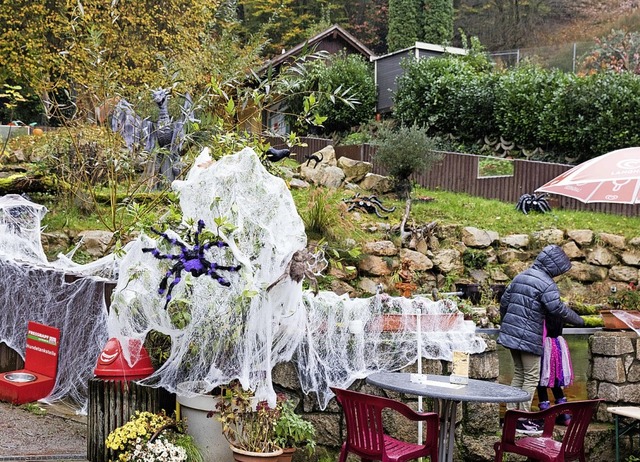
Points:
(553, 260)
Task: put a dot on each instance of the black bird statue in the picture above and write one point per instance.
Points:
(275, 155)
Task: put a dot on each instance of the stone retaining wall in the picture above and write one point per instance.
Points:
(614, 374)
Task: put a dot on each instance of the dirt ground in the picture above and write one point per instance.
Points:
(58, 434)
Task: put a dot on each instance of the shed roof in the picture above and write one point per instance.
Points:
(424, 47)
(334, 32)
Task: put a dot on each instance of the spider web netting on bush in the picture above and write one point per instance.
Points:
(242, 331)
(33, 289)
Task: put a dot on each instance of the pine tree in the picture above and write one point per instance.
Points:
(437, 21)
(404, 24)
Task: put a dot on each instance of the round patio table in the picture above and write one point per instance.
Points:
(446, 397)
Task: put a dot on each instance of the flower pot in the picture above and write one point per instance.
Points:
(240, 455)
(613, 322)
(436, 322)
(206, 431)
(287, 455)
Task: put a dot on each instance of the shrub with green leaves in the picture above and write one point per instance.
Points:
(342, 71)
(447, 95)
(405, 151)
(522, 95)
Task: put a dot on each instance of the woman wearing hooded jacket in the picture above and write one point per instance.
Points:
(532, 296)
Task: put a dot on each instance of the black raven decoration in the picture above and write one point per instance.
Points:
(275, 155)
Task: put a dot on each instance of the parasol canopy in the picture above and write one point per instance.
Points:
(613, 177)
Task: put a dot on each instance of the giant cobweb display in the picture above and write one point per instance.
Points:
(220, 333)
(20, 228)
(60, 293)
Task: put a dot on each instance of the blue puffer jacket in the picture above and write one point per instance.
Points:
(530, 297)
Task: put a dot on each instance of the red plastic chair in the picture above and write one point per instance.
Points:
(545, 448)
(365, 434)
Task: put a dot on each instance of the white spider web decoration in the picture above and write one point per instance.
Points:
(243, 331)
(61, 293)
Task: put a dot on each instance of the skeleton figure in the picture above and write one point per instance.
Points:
(302, 265)
(167, 133)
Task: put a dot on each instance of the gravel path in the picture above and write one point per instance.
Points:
(56, 435)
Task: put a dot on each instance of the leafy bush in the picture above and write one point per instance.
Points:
(448, 95)
(521, 97)
(566, 115)
(406, 151)
(593, 114)
(345, 72)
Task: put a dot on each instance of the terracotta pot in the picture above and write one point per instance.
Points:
(428, 322)
(612, 322)
(287, 454)
(240, 455)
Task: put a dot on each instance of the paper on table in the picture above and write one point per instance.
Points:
(424, 380)
(460, 373)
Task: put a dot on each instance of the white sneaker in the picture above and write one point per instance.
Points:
(528, 427)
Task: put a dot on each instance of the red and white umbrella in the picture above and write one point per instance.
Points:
(612, 177)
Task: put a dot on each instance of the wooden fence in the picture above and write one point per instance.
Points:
(459, 173)
(112, 403)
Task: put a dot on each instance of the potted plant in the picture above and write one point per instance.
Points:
(627, 299)
(248, 425)
(293, 432)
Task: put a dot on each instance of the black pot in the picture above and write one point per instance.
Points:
(473, 292)
(470, 292)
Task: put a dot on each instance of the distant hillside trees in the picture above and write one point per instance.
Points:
(74, 55)
(437, 22)
(619, 52)
(404, 26)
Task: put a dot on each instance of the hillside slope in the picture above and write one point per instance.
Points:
(506, 25)
(588, 19)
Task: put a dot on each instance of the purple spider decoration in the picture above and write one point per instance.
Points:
(191, 260)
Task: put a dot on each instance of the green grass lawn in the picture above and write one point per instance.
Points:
(449, 208)
(328, 208)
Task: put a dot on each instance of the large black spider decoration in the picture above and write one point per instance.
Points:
(533, 202)
(370, 204)
(192, 260)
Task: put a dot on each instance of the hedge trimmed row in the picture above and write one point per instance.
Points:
(565, 114)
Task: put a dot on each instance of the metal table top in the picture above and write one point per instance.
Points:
(438, 386)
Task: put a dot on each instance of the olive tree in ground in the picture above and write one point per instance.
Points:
(405, 151)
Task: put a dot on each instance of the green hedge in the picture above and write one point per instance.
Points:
(568, 115)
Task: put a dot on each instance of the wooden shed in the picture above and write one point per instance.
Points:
(388, 68)
(332, 40)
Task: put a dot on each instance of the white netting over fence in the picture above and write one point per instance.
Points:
(62, 294)
(33, 293)
(219, 333)
(20, 228)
